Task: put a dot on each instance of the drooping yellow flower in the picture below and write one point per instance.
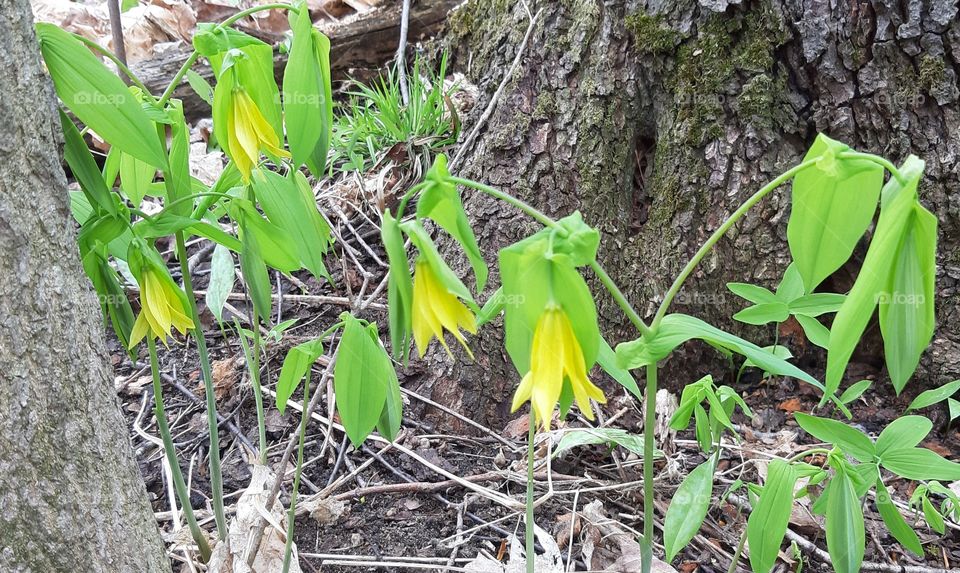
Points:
(435, 309)
(248, 133)
(161, 308)
(555, 356)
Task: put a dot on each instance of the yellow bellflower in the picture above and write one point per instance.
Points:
(555, 355)
(249, 133)
(436, 309)
(162, 308)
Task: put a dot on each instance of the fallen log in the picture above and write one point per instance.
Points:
(362, 41)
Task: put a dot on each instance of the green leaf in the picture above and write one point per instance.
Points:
(753, 293)
(607, 359)
(361, 377)
(833, 204)
(692, 395)
(399, 288)
(904, 432)
(441, 202)
(873, 280)
(113, 299)
(84, 167)
(791, 285)
(201, 86)
(933, 517)
(222, 277)
(135, 178)
(576, 239)
(851, 440)
(291, 206)
(907, 311)
(392, 415)
(97, 97)
(953, 407)
(492, 308)
(688, 508)
(675, 329)
(255, 276)
(296, 364)
(931, 397)
(763, 313)
(768, 522)
(593, 436)
(896, 524)
(816, 304)
(167, 224)
(855, 391)
(277, 247)
(844, 524)
(920, 464)
(318, 159)
(814, 330)
(179, 183)
(305, 89)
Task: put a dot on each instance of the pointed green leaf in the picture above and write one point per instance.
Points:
(768, 522)
(360, 379)
(844, 523)
(763, 313)
(907, 309)
(904, 432)
(896, 524)
(688, 508)
(874, 277)
(833, 204)
(920, 464)
(931, 397)
(97, 96)
(849, 439)
(296, 364)
(222, 277)
(753, 293)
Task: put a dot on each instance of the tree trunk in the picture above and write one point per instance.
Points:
(71, 497)
(657, 120)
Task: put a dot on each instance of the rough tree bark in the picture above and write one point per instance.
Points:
(71, 497)
(657, 119)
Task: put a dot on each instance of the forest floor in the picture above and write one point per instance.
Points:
(389, 508)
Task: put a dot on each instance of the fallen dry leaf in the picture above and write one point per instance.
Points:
(613, 548)
(790, 405)
(228, 554)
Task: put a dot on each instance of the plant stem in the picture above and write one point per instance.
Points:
(720, 232)
(806, 453)
(620, 299)
(253, 366)
(288, 549)
(195, 55)
(168, 449)
(216, 475)
(530, 210)
(878, 160)
(528, 532)
(738, 553)
(117, 62)
(649, 447)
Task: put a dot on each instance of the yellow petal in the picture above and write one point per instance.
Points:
(523, 392)
(244, 131)
(139, 330)
(155, 302)
(425, 323)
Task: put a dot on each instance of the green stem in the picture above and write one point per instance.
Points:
(216, 475)
(878, 160)
(533, 212)
(649, 448)
(806, 453)
(288, 549)
(190, 197)
(738, 552)
(168, 449)
(528, 534)
(720, 232)
(195, 55)
(253, 366)
(620, 299)
(117, 62)
(530, 210)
